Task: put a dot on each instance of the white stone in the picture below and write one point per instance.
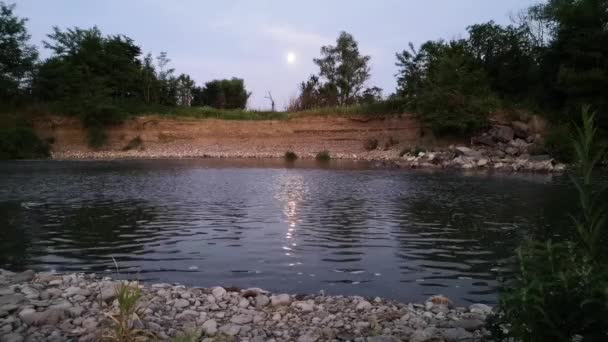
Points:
(280, 300)
(363, 305)
(241, 319)
(181, 303)
(218, 292)
(210, 327)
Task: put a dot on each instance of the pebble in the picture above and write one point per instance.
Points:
(72, 311)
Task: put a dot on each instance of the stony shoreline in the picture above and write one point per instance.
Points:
(79, 307)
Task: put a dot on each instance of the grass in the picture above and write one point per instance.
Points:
(128, 296)
(290, 156)
(385, 108)
(323, 156)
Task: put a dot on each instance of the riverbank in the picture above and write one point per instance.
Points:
(397, 142)
(80, 307)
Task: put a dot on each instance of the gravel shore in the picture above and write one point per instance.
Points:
(79, 307)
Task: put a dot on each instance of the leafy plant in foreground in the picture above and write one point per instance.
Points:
(561, 289)
(128, 296)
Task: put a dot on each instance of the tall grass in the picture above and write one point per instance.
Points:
(560, 292)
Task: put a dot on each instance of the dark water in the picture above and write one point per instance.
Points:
(342, 228)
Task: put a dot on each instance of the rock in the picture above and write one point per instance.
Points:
(485, 140)
(23, 277)
(14, 337)
(480, 309)
(241, 319)
(218, 292)
(230, 329)
(210, 327)
(467, 152)
(181, 303)
(108, 292)
(383, 338)
(422, 335)
(48, 317)
(469, 324)
(243, 303)
(311, 336)
(456, 334)
(188, 315)
(482, 162)
(512, 151)
(541, 157)
(280, 300)
(503, 133)
(305, 306)
(363, 305)
(75, 291)
(520, 129)
(12, 299)
(89, 323)
(518, 143)
(261, 301)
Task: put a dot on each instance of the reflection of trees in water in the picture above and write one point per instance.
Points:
(18, 230)
(87, 234)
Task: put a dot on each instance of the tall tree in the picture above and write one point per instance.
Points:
(225, 94)
(344, 68)
(17, 57)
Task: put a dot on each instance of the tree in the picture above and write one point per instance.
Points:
(508, 57)
(17, 57)
(185, 86)
(225, 94)
(89, 66)
(444, 85)
(344, 68)
(575, 63)
(370, 95)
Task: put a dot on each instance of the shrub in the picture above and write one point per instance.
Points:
(390, 143)
(560, 292)
(290, 156)
(21, 142)
(323, 156)
(133, 144)
(97, 135)
(370, 144)
(558, 143)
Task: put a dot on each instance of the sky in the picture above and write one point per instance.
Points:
(251, 39)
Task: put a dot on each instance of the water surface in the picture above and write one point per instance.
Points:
(342, 227)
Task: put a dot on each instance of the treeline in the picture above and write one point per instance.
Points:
(101, 78)
(551, 60)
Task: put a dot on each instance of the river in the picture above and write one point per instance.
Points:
(342, 227)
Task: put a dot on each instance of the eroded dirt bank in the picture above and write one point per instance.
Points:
(182, 137)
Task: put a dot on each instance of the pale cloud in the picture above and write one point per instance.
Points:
(288, 35)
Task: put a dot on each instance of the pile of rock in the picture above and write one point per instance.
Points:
(53, 307)
(513, 147)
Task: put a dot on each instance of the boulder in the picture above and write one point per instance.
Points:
(48, 317)
(218, 292)
(484, 139)
(280, 300)
(467, 152)
(210, 327)
(503, 133)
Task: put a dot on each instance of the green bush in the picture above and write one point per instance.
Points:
(323, 156)
(560, 292)
(370, 144)
(97, 136)
(21, 142)
(290, 156)
(558, 143)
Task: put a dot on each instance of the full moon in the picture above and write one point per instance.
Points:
(291, 57)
